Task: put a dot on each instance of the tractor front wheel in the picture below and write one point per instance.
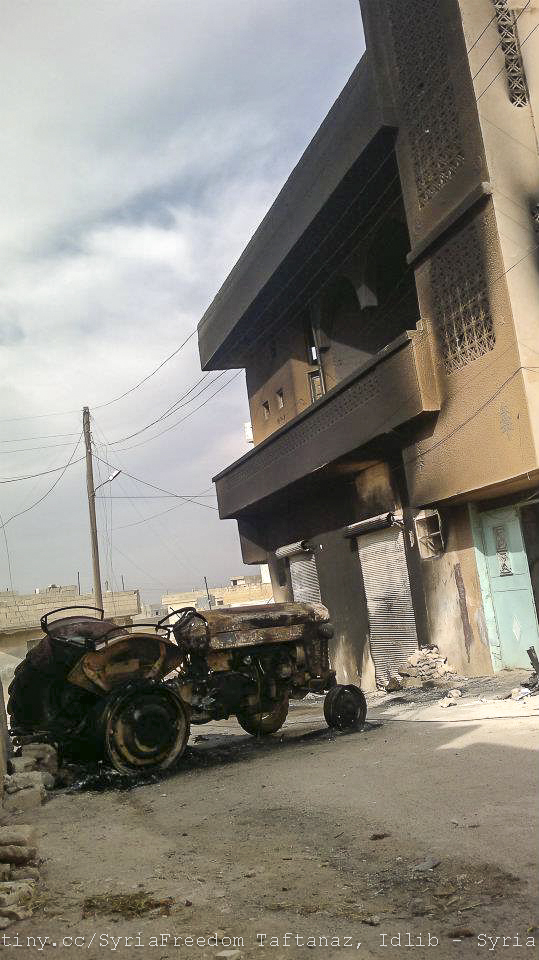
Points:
(265, 723)
(345, 707)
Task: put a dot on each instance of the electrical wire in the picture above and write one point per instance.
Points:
(171, 410)
(49, 436)
(495, 77)
(164, 540)
(8, 556)
(393, 203)
(182, 419)
(44, 473)
(154, 486)
(167, 359)
(145, 379)
(498, 45)
(69, 463)
(121, 396)
(49, 446)
(477, 39)
(153, 516)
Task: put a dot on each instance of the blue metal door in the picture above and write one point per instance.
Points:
(510, 585)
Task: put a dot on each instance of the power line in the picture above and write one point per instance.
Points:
(167, 359)
(48, 446)
(477, 39)
(100, 406)
(164, 541)
(145, 379)
(69, 463)
(154, 486)
(384, 213)
(182, 419)
(504, 66)
(173, 408)
(44, 473)
(153, 516)
(498, 45)
(8, 556)
(49, 436)
(107, 403)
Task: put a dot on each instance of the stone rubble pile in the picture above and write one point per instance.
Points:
(425, 667)
(31, 775)
(19, 873)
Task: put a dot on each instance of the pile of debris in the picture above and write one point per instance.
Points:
(19, 873)
(31, 774)
(532, 683)
(425, 667)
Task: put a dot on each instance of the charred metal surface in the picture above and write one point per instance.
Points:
(129, 695)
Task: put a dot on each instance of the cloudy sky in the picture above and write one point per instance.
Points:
(142, 142)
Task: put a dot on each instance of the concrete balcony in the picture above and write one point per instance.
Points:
(396, 386)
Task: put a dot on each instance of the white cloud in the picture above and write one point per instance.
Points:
(144, 141)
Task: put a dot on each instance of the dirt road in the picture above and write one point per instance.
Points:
(274, 837)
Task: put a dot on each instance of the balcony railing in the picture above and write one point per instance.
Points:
(395, 386)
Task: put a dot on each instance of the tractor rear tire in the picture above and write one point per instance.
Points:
(145, 728)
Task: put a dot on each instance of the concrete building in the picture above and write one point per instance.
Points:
(241, 591)
(386, 312)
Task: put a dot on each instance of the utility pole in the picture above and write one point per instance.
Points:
(78, 580)
(98, 595)
(207, 593)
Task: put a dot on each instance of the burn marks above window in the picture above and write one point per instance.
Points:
(427, 97)
(461, 303)
(516, 78)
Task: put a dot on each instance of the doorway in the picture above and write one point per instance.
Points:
(510, 586)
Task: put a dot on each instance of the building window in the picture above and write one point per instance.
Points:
(266, 409)
(312, 356)
(315, 383)
(280, 399)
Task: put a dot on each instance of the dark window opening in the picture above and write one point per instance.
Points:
(266, 409)
(315, 384)
(369, 304)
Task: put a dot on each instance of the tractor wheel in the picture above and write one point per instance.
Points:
(41, 703)
(262, 724)
(145, 727)
(345, 707)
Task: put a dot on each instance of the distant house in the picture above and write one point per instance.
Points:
(241, 591)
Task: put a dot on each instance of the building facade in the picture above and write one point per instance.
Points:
(386, 312)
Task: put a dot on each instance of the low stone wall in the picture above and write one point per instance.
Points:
(19, 611)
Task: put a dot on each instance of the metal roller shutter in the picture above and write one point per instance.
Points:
(304, 576)
(389, 602)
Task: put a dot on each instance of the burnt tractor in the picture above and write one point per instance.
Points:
(128, 694)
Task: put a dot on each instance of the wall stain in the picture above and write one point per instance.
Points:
(466, 626)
